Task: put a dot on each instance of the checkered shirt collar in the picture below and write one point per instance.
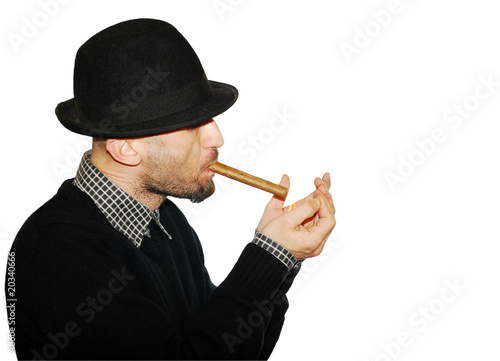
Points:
(124, 212)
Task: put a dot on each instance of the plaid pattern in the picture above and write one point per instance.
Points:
(124, 212)
(277, 250)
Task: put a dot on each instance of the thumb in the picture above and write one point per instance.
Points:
(276, 202)
(285, 181)
(306, 210)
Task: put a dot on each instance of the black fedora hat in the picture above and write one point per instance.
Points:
(139, 78)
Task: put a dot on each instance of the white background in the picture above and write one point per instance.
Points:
(393, 250)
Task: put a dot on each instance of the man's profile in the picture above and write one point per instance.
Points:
(110, 268)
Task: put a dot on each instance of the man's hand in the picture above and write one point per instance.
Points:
(275, 206)
(304, 229)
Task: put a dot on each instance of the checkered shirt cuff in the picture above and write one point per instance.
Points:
(277, 250)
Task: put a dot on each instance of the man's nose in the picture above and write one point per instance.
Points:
(212, 137)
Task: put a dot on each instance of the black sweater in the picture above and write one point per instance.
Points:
(84, 291)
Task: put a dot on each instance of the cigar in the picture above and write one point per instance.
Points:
(249, 179)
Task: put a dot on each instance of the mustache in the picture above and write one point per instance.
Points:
(211, 159)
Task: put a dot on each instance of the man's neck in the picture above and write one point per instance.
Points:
(128, 181)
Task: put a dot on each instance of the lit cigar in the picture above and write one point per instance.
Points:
(249, 179)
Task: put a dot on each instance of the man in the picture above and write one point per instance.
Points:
(109, 268)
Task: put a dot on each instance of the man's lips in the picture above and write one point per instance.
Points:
(213, 162)
(207, 168)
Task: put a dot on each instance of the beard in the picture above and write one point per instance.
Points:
(194, 194)
(167, 176)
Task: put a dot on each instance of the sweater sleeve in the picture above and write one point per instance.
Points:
(279, 305)
(81, 298)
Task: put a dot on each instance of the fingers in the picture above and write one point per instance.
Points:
(274, 207)
(306, 210)
(285, 181)
(323, 186)
(328, 197)
(318, 182)
(299, 203)
(326, 221)
(327, 180)
(318, 234)
(325, 209)
(291, 231)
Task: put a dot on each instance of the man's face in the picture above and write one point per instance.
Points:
(176, 163)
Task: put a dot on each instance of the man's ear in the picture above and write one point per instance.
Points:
(122, 152)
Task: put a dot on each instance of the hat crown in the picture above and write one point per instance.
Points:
(134, 59)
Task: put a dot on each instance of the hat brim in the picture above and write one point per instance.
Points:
(223, 97)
